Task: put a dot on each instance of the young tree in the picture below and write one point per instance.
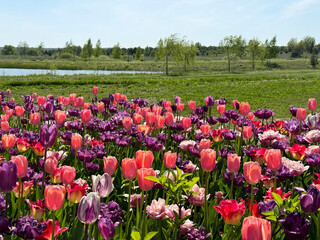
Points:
(84, 51)
(298, 50)
(291, 44)
(89, 48)
(138, 54)
(23, 48)
(309, 43)
(190, 52)
(314, 59)
(116, 51)
(233, 46)
(254, 50)
(98, 50)
(271, 50)
(41, 49)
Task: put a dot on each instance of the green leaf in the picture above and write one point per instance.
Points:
(268, 213)
(152, 178)
(272, 218)
(136, 235)
(150, 235)
(278, 199)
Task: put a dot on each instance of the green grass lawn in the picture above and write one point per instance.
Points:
(275, 89)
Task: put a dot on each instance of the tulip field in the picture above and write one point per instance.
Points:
(106, 166)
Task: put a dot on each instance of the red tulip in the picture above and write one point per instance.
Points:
(159, 121)
(233, 161)
(221, 108)
(186, 123)
(192, 105)
(247, 132)
(60, 116)
(4, 118)
(205, 129)
(169, 118)
(251, 116)
(301, 114)
(76, 190)
(256, 228)
(66, 101)
(23, 144)
(54, 197)
(68, 174)
(50, 165)
(8, 140)
(22, 165)
(41, 100)
(95, 90)
(170, 159)
(180, 107)
(5, 126)
(144, 184)
(297, 151)
(312, 104)
(47, 233)
(76, 141)
(204, 144)
(37, 209)
(100, 107)
(208, 159)
(273, 159)
(252, 172)
(117, 97)
(150, 118)
(35, 118)
(166, 104)
(79, 102)
(9, 112)
(60, 99)
(85, 115)
(244, 108)
(137, 118)
(109, 165)
(127, 122)
(38, 149)
(19, 111)
(144, 159)
(129, 168)
(231, 211)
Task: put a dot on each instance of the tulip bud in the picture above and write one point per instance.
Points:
(50, 165)
(186, 123)
(247, 132)
(170, 159)
(19, 111)
(76, 141)
(8, 176)
(54, 197)
(312, 104)
(102, 185)
(233, 161)
(208, 159)
(144, 159)
(95, 90)
(144, 184)
(60, 116)
(205, 129)
(8, 141)
(110, 165)
(301, 114)
(129, 168)
(89, 208)
(192, 105)
(85, 115)
(273, 159)
(244, 108)
(68, 174)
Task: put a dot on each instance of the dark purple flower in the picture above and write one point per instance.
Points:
(92, 166)
(176, 126)
(295, 226)
(85, 155)
(178, 138)
(223, 119)
(48, 135)
(199, 136)
(106, 228)
(263, 113)
(28, 228)
(209, 101)
(8, 176)
(13, 151)
(2, 202)
(66, 136)
(293, 111)
(280, 145)
(194, 152)
(196, 234)
(108, 136)
(223, 152)
(231, 114)
(4, 224)
(74, 112)
(111, 211)
(48, 108)
(238, 178)
(153, 144)
(300, 139)
(198, 111)
(248, 189)
(266, 206)
(313, 159)
(310, 202)
(229, 135)
(212, 120)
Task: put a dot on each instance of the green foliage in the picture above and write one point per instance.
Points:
(98, 49)
(314, 60)
(254, 50)
(138, 54)
(298, 50)
(87, 50)
(309, 43)
(8, 50)
(291, 44)
(116, 51)
(23, 48)
(270, 50)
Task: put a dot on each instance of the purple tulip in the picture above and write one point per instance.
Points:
(310, 202)
(209, 101)
(293, 111)
(111, 211)
(48, 135)
(295, 226)
(28, 228)
(212, 120)
(102, 185)
(4, 224)
(89, 208)
(313, 159)
(266, 206)
(263, 113)
(238, 178)
(8, 176)
(106, 228)
(223, 119)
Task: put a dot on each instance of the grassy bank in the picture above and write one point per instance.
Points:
(277, 89)
(105, 63)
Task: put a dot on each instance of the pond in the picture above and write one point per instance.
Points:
(25, 72)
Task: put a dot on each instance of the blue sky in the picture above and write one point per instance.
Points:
(144, 22)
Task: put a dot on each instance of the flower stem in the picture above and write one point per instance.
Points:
(128, 212)
(206, 202)
(251, 200)
(19, 198)
(231, 189)
(275, 182)
(53, 224)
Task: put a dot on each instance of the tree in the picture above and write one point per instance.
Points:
(190, 52)
(314, 59)
(98, 49)
(23, 48)
(41, 49)
(84, 51)
(298, 50)
(291, 44)
(89, 48)
(8, 50)
(271, 50)
(254, 50)
(138, 54)
(116, 51)
(233, 46)
(309, 43)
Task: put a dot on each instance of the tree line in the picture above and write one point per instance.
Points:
(180, 51)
